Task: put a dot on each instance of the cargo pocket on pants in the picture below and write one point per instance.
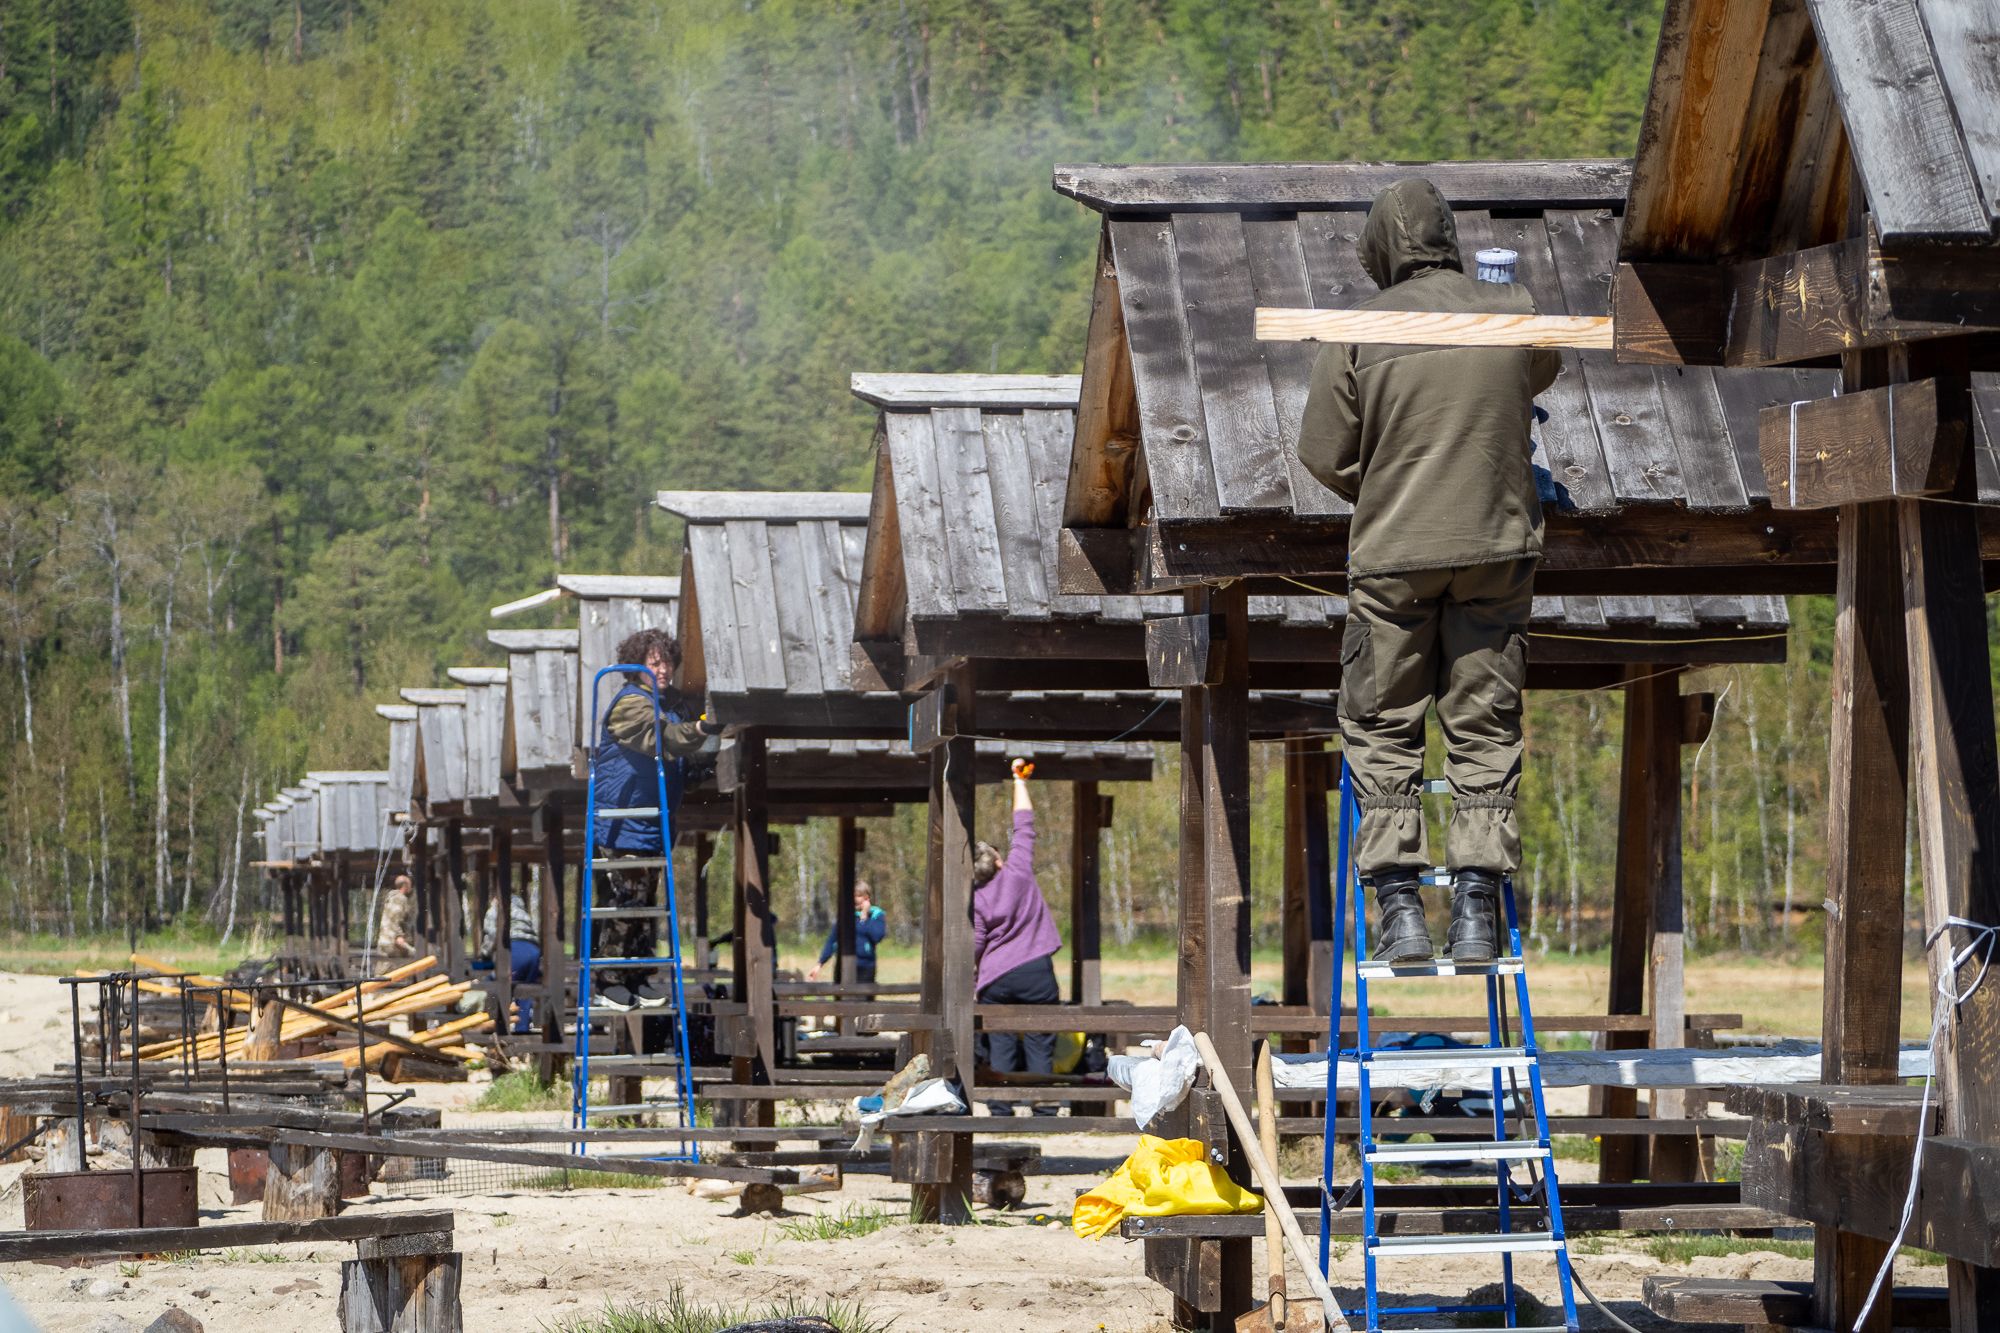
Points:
(1357, 671)
(1512, 670)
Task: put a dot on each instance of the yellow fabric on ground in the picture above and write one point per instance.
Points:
(1164, 1178)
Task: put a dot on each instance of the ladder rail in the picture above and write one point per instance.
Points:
(580, 1110)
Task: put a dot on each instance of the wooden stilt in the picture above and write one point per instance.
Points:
(848, 847)
(753, 1047)
(402, 1284)
(1086, 917)
(302, 1183)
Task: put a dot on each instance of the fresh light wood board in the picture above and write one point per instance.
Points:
(1432, 328)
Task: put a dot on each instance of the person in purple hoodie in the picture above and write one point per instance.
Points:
(1014, 941)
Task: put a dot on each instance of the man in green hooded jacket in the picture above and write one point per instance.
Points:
(1431, 447)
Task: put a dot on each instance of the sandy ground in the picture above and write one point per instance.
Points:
(536, 1258)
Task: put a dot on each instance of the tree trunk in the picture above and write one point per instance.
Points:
(1763, 817)
(162, 857)
(27, 699)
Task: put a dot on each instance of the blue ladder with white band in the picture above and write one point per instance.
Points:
(679, 1063)
(1535, 1197)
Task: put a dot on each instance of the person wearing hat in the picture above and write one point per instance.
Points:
(1431, 446)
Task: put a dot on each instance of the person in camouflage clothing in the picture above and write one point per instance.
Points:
(624, 777)
(1431, 447)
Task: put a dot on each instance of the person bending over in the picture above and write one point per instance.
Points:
(624, 777)
(870, 927)
(1431, 446)
(1014, 940)
(399, 920)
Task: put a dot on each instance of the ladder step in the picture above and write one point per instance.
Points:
(1438, 967)
(624, 913)
(625, 962)
(1478, 1057)
(1511, 1328)
(1495, 1150)
(627, 862)
(630, 812)
(1498, 1242)
(659, 1061)
(639, 1108)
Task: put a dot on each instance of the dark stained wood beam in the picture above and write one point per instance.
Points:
(1866, 444)
(1804, 305)
(1091, 814)
(1208, 187)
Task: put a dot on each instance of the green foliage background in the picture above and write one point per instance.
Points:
(327, 324)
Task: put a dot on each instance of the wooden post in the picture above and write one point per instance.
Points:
(1867, 791)
(402, 1284)
(500, 945)
(753, 1048)
(1674, 1157)
(1213, 982)
(454, 899)
(302, 1183)
(555, 960)
(1306, 919)
(704, 850)
(941, 1190)
(1623, 1157)
(1086, 915)
(847, 850)
(1957, 778)
(420, 887)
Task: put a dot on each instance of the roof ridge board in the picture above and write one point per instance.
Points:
(897, 391)
(1193, 187)
(709, 507)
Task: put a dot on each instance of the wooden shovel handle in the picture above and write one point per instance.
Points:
(1267, 1139)
(1267, 1180)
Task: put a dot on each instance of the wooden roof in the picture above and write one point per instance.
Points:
(538, 733)
(1760, 107)
(962, 551)
(767, 619)
(485, 725)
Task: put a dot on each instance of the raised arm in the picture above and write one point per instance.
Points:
(1023, 845)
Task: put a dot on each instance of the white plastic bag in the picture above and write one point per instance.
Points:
(933, 1096)
(1159, 1084)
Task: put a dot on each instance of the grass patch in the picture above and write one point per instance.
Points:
(1680, 1249)
(591, 1180)
(517, 1090)
(241, 1256)
(194, 949)
(744, 1257)
(677, 1314)
(1729, 1159)
(853, 1220)
(1574, 1147)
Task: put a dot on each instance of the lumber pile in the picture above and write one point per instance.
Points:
(330, 1025)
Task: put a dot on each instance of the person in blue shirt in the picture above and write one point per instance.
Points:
(624, 777)
(870, 926)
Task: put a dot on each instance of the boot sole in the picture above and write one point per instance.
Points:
(1473, 957)
(1404, 957)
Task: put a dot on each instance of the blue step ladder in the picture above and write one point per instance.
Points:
(677, 1063)
(1533, 1199)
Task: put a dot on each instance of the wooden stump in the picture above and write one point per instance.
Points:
(402, 1284)
(302, 1183)
(262, 1043)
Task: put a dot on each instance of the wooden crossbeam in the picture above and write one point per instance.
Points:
(1868, 444)
(1432, 328)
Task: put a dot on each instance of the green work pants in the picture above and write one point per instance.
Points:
(1457, 638)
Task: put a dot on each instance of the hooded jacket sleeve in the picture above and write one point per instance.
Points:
(631, 725)
(1330, 431)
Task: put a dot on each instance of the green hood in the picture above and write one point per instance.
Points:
(1410, 228)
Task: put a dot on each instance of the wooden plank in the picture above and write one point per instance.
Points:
(1172, 423)
(385, 1145)
(989, 393)
(1179, 651)
(967, 500)
(795, 627)
(1566, 444)
(1090, 812)
(704, 507)
(1963, 40)
(882, 606)
(1048, 436)
(1901, 128)
(1246, 453)
(1582, 183)
(1098, 469)
(831, 598)
(1745, 394)
(715, 594)
(754, 622)
(1866, 444)
(1433, 328)
(638, 587)
(1712, 1300)
(1439, 1222)
(1711, 470)
(1625, 402)
(920, 514)
(1017, 515)
(1278, 277)
(20, 1246)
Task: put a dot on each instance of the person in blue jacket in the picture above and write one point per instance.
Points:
(624, 779)
(870, 926)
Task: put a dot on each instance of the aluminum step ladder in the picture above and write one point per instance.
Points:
(678, 1063)
(1532, 1198)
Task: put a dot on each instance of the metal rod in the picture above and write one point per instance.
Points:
(138, 1169)
(76, 1056)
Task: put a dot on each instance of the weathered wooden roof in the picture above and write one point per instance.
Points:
(538, 736)
(441, 778)
(485, 725)
(402, 719)
(767, 617)
(962, 549)
(1174, 364)
(1759, 108)
(353, 810)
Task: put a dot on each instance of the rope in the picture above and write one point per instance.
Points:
(1982, 944)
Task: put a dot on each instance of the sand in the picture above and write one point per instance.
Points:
(536, 1258)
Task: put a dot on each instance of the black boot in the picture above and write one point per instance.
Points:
(1402, 937)
(1475, 917)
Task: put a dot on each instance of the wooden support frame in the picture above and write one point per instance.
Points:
(753, 1044)
(1090, 816)
(939, 1166)
(1306, 913)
